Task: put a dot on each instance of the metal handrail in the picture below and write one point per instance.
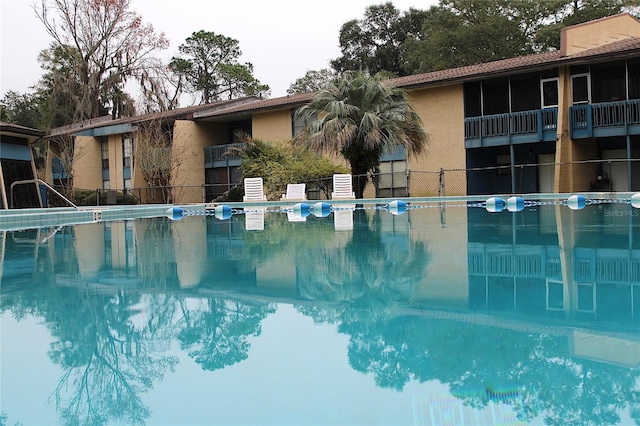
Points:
(40, 181)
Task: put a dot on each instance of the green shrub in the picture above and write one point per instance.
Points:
(281, 163)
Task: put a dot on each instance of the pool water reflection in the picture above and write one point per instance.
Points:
(440, 315)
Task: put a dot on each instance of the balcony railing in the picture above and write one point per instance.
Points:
(518, 127)
(214, 156)
(605, 119)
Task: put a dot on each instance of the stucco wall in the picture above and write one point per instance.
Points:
(596, 33)
(442, 112)
(87, 163)
(272, 126)
(189, 140)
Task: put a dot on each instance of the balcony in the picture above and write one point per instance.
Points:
(214, 156)
(514, 128)
(620, 118)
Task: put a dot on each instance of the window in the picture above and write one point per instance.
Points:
(472, 100)
(525, 92)
(608, 82)
(633, 71)
(393, 174)
(549, 93)
(495, 95)
(23, 195)
(126, 151)
(104, 148)
(580, 93)
(393, 179)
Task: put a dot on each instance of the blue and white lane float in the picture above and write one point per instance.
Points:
(222, 212)
(495, 204)
(397, 207)
(321, 209)
(576, 202)
(515, 204)
(301, 209)
(175, 213)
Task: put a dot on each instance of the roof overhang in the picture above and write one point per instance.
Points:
(21, 131)
(247, 110)
(115, 129)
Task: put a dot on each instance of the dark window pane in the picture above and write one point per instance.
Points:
(634, 78)
(525, 93)
(580, 89)
(495, 95)
(472, 100)
(550, 93)
(23, 195)
(608, 82)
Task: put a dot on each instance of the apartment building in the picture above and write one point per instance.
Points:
(556, 122)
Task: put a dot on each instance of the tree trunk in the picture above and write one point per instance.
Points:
(360, 179)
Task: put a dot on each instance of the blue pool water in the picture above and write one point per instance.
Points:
(442, 315)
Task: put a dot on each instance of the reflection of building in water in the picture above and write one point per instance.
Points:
(445, 279)
(548, 264)
(375, 255)
(106, 251)
(555, 263)
(189, 246)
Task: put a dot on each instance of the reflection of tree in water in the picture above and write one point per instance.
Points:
(156, 268)
(215, 333)
(533, 373)
(110, 359)
(109, 362)
(368, 275)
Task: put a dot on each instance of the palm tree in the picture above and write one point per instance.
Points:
(359, 117)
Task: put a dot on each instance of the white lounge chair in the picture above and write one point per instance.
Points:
(342, 187)
(253, 190)
(295, 192)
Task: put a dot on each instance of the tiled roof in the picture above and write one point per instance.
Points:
(179, 113)
(259, 105)
(511, 65)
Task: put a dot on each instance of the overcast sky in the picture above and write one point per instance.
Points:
(281, 38)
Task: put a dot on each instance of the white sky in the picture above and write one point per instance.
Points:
(281, 38)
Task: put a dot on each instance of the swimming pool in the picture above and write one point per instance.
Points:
(440, 314)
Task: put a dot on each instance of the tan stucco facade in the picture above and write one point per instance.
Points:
(87, 163)
(442, 111)
(578, 38)
(189, 140)
(272, 126)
